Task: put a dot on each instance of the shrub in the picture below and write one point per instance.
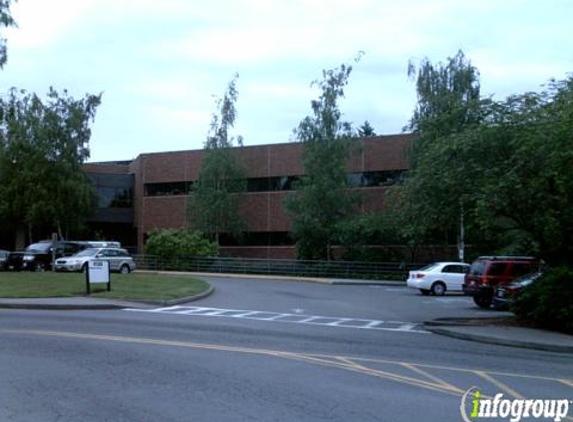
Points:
(171, 243)
(548, 303)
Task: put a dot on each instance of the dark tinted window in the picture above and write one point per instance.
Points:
(459, 269)
(497, 268)
(109, 197)
(520, 268)
(169, 188)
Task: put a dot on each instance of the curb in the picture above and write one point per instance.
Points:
(442, 330)
(179, 301)
(274, 277)
(103, 306)
(244, 276)
(60, 307)
(386, 283)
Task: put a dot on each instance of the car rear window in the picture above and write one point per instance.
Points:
(477, 268)
(497, 268)
(428, 267)
(520, 268)
(39, 247)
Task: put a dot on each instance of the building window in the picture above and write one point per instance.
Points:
(284, 183)
(114, 197)
(169, 188)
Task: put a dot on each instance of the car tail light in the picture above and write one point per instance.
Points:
(420, 275)
(483, 281)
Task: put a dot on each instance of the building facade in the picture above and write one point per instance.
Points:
(151, 192)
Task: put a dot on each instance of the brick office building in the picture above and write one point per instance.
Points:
(151, 191)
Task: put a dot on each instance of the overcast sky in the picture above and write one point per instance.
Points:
(160, 63)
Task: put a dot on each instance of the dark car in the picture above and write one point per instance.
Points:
(3, 258)
(504, 295)
(488, 272)
(38, 256)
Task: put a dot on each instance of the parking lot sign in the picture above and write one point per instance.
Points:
(98, 272)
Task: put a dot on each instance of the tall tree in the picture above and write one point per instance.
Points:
(213, 204)
(322, 200)
(448, 100)
(449, 103)
(366, 130)
(6, 21)
(42, 147)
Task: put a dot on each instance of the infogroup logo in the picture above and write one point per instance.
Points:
(513, 409)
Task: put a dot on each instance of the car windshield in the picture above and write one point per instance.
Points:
(87, 252)
(39, 247)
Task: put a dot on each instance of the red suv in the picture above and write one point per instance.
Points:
(487, 272)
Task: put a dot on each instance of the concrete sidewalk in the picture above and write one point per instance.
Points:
(495, 331)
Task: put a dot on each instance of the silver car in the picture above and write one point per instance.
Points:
(119, 260)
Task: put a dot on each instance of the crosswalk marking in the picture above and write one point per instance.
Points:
(298, 318)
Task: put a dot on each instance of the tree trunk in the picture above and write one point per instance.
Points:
(30, 237)
(20, 238)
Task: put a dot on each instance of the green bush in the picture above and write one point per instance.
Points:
(548, 303)
(171, 243)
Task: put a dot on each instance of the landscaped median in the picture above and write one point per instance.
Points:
(134, 286)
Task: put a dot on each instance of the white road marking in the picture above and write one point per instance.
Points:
(326, 321)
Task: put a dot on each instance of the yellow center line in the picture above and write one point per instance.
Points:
(333, 361)
(499, 384)
(472, 371)
(431, 377)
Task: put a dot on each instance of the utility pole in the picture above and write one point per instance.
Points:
(461, 245)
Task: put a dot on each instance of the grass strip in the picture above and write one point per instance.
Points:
(123, 286)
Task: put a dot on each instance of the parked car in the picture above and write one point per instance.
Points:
(487, 272)
(38, 256)
(3, 258)
(119, 260)
(438, 278)
(504, 295)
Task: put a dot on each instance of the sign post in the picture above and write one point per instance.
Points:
(97, 272)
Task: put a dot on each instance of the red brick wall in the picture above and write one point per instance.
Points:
(264, 211)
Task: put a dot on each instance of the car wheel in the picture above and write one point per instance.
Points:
(124, 269)
(483, 301)
(425, 292)
(40, 267)
(438, 288)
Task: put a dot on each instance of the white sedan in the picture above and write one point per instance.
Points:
(438, 278)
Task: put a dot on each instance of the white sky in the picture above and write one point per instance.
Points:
(160, 62)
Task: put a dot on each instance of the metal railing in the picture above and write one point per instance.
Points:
(329, 269)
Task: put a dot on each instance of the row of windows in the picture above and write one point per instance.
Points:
(283, 183)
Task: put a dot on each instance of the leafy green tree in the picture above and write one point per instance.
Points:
(42, 147)
(322, 200)
(448, 100)
(366, 130)
(512, 172)
(449, 103)
(213, 204)
(6, 21)
(176, 243)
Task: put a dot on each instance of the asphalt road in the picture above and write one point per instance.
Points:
(262, 351)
